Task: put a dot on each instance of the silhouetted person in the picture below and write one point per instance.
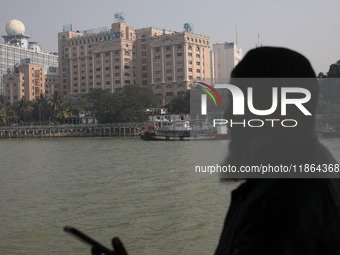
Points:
(279, 216)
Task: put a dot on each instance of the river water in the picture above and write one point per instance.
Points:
(141, 191)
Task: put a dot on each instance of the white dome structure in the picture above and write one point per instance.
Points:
(15, 27)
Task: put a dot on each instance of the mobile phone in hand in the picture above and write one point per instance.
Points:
(98, 246)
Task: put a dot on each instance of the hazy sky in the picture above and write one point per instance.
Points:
(308, 26)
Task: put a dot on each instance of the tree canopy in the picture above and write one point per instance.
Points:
(127, 104)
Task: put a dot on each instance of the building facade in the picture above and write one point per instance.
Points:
(225, 57)
(164, 61)
(30, 81)
(16, 49)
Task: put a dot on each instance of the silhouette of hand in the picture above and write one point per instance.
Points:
(117, 245)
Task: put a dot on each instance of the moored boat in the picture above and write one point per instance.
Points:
(183, 130)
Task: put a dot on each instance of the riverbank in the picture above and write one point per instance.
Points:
(81, 130)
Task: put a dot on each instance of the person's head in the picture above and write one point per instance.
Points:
(265, 68)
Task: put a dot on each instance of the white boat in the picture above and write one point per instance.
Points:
(183, 130)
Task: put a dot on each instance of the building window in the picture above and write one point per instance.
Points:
(144, 68)
(190, 69)
(98, 69)
(116, 59)
(169, 94)
(107, 68)
(157, 50)
(126, 60)
(169, 71)
(179, 70)
(116, 67)
(169, 86)
(157, 64)
(168, 63)
(168, 55)
(157, 56)
(144, 82)
(127, 81)
(179, 54)
(198, 63)
(169, 78)
(198, 70)
(144, 75)
(158, 87)
(117, 74)
(168, 48)
(198, 56)
(117, 81)
(158, 80)
(158, 72)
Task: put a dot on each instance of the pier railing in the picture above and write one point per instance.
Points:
(80, 130)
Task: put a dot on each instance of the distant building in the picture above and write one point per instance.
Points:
(16, 49)
(30, 81)
(225, 57)
(177, 61)
(167, 62)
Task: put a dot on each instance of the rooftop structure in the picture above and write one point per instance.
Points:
(16, 49)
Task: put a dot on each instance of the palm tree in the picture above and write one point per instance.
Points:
(3, 115)
(12, 115)
(55, 102)
(24, 109)
(43, 106)
(63, 112)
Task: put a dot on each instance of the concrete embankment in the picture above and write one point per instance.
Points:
(116, 129)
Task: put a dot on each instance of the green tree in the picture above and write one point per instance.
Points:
(180, 104)
(3, 116)
(55, 102)
(329, 97)
(12, 115)
(133, 101)
(63, 112)
(43, 107)
(24, 109)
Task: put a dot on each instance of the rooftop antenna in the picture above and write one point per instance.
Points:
(258, 40)
(236, 37)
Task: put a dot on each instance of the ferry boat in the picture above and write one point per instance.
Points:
(183, 130)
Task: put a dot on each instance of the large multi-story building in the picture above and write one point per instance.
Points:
(167, 62)
(16, 49)
(30, 81)
(225, 57)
